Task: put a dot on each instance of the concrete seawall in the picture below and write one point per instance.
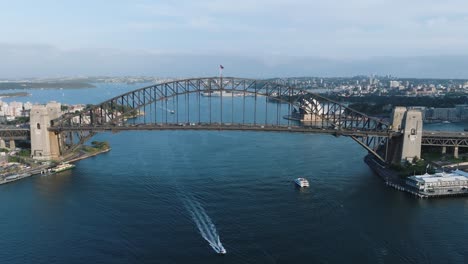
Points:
(391, 178)
(85, 156)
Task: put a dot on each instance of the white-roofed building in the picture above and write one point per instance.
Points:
(441, 183)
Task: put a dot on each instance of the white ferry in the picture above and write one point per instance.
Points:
(302, 182)
(62, 167)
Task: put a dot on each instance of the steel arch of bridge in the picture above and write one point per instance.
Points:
(327, 116)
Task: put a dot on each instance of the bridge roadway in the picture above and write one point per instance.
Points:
(14, 133)
(226, 126)
(445, 138)
(429, 138)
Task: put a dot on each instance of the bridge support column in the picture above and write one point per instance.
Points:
(444, 150)
(412, 135)
(455, 152)
(2, 143)
(398, 118)
(12, 144)
(408, 146)
(44, 144)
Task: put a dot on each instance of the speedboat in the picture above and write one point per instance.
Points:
(302, 182)
(222, 251)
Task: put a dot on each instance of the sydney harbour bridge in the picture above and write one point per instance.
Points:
(226, 103)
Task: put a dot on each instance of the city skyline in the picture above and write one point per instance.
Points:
(261, 39)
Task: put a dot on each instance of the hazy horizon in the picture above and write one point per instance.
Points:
(261, 39)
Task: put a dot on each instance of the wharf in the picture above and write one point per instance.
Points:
(24, 174)
(392, 179)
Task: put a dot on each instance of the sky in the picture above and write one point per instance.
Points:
(250, 38)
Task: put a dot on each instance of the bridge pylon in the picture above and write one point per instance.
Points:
(407, 146)
(44, 143)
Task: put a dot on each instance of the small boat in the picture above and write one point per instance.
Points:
(302, 182)
(222, 251)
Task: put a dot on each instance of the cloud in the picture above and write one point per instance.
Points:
(271, 34)
(334, 28)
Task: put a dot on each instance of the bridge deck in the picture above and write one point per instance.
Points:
(430, 138)
(232, 127)
(445, 138)
(14, 133)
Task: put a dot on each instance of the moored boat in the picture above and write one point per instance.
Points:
(62, 167)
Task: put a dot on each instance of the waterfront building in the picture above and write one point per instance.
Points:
(9, 111)
(394, 84)
(442, 114)
(462, 111)
(454, 114)
(441, 183)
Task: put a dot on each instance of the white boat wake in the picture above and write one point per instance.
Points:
(204, 224)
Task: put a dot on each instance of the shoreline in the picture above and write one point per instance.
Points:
(85, 156)
(36, 171)
(390, 177)
(13, 95)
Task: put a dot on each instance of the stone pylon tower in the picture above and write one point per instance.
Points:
(412, 135)
(44, 144)
(409, 123)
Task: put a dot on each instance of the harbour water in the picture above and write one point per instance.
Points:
(130, 205)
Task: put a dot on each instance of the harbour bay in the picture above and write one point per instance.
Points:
(125, 205)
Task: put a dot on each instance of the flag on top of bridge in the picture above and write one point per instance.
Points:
(221, 71)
